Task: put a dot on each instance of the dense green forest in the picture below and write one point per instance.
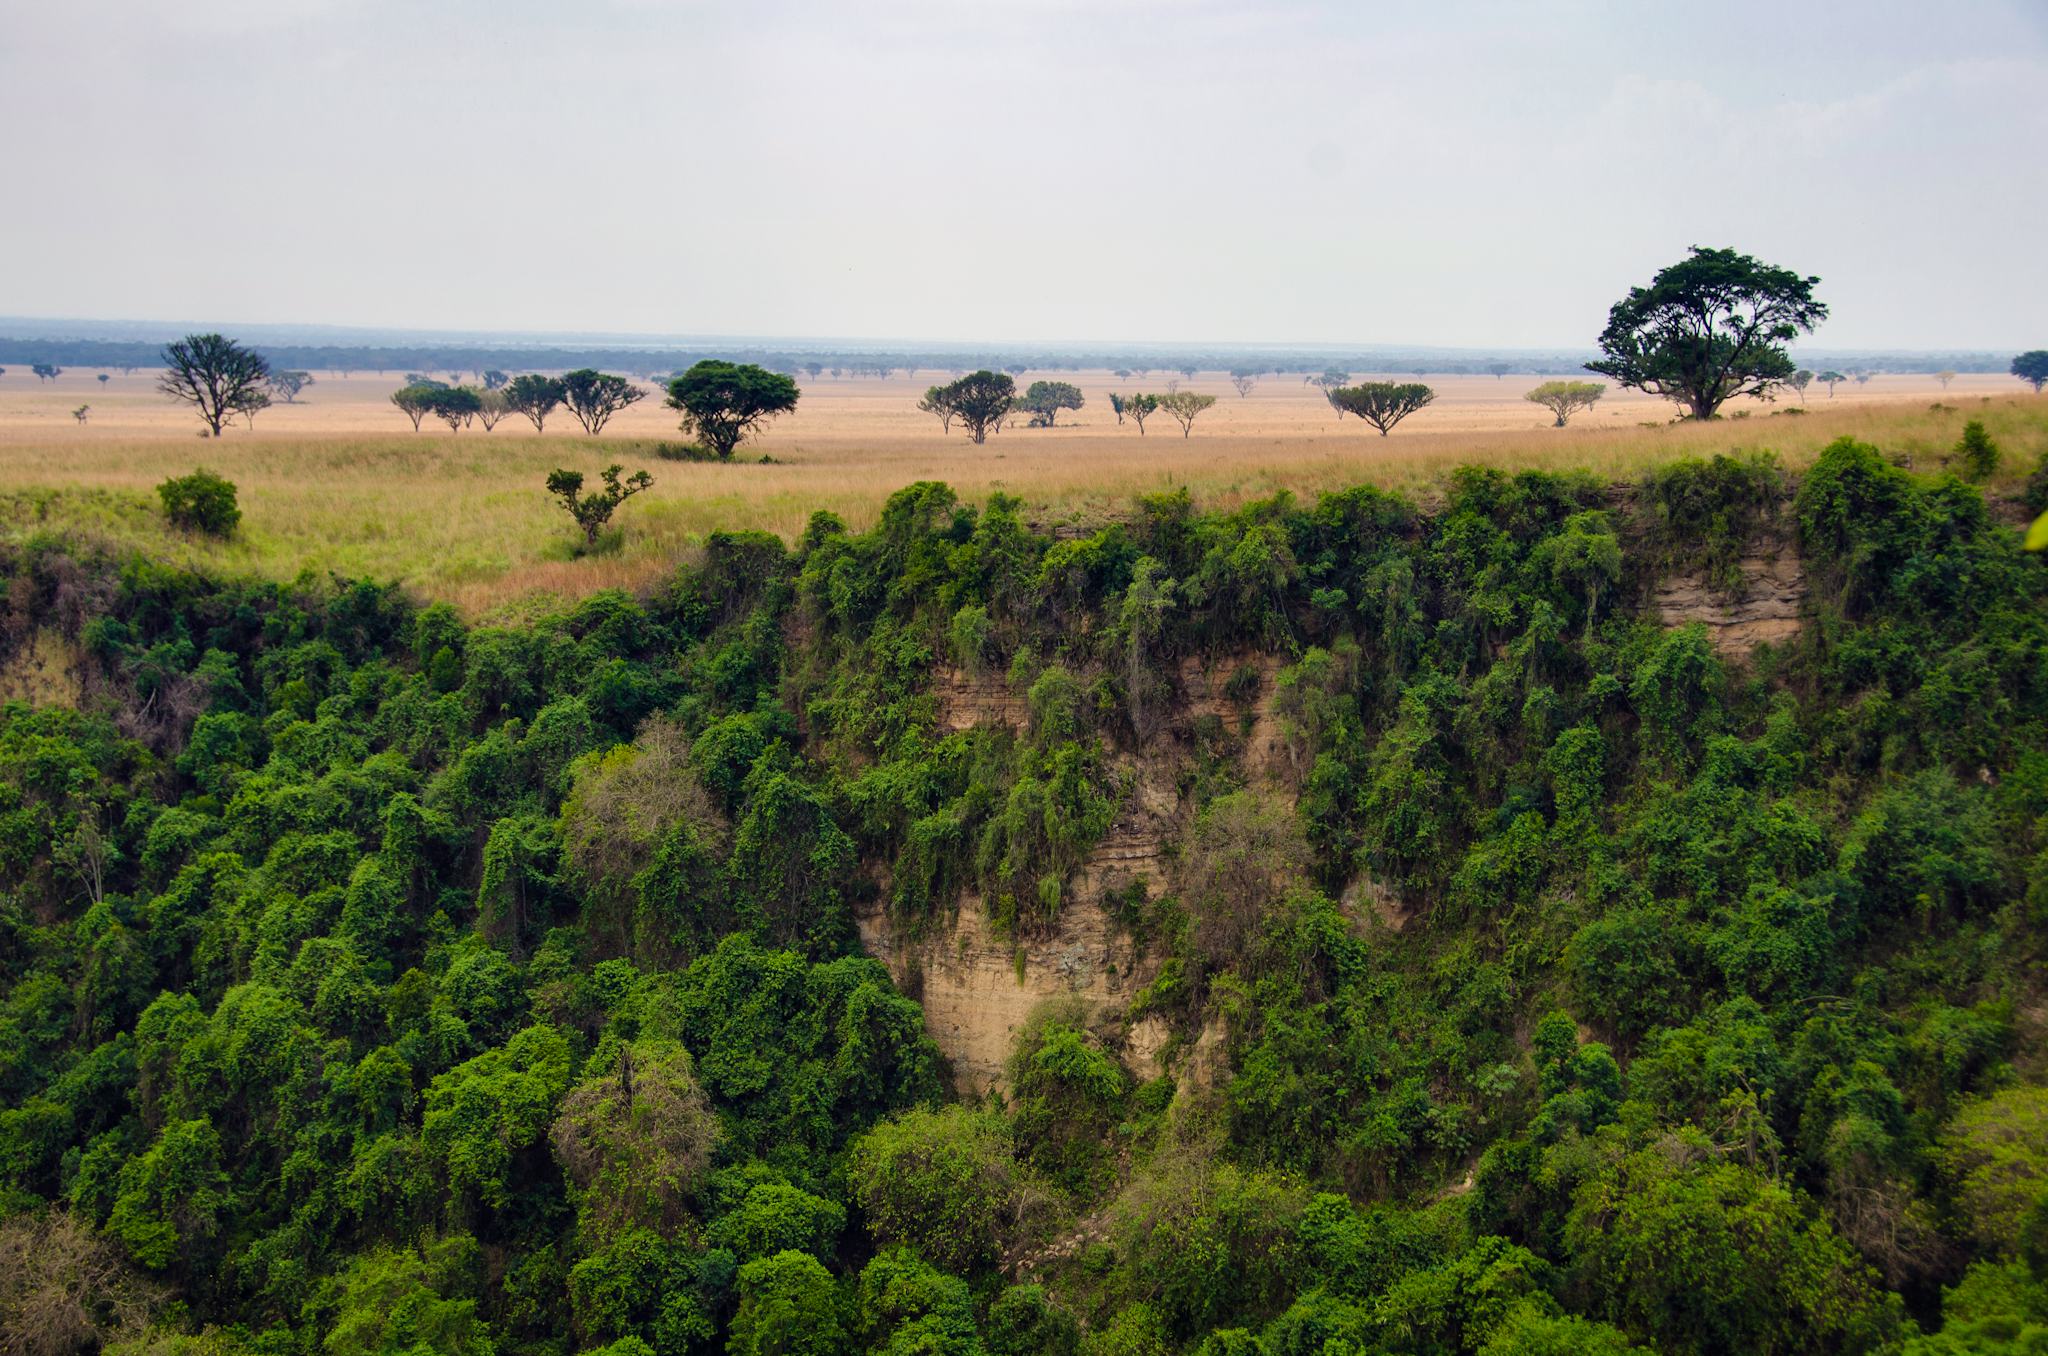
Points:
(372, 983)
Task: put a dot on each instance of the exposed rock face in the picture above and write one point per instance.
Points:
(978, 987)
(1766, 610)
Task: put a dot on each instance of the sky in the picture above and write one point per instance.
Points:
(1488, 175)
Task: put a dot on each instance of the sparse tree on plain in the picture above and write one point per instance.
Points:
(289, 384)
(2031, 367)
(1140, 407)
(103, 380)
(82, 413)
(1329, 379)
(1831, 379)
(457, 405)
(534, 396)
(1566, 398)
(491, 407)
(1116, 405)
(1172, 385)
(215, 376)
(1243, 378)
(812, 370)
(1045, 399)
(249, 404)
(1499, 370)
(1862, 376)
(1189, 372)
(1121, 373)
(47, 371)
(1799, 381)
(982, 400)
(1944, 377)
(935, 402)
(1184, 406)
(723, 402)
(494, 379)
(1707, 329)
(594, 397)
(1382, 404)
(593, 511)
(416, 401)
(1016, 369)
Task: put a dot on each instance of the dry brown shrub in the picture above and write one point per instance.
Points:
(636, 1139)
(626, 800)
(1245, 855)
(64, 1288)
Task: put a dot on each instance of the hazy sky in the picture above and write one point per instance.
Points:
(1431, 173)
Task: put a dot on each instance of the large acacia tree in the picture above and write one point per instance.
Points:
(723, 402)
(1045, 399)
(1709, 328)
(980, 400)
(215, 376)
(1382, 404)
(2031, 367)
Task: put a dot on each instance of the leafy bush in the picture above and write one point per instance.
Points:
(201, 502)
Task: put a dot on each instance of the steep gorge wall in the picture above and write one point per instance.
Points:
(978, 986)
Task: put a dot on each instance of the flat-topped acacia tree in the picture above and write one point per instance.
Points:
(1566, 398)
(1709, 328)
(215, 376)
(1183, 406)
(1382, 404)
(594, 397)
(534, 396)
(2031, 367)
(723, 402)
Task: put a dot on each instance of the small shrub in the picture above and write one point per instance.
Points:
(1978, 454)
(201, 502)
(684, 452)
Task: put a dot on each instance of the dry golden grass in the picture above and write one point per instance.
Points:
(342, 483)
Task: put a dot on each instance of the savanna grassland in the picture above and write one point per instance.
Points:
(339, 481)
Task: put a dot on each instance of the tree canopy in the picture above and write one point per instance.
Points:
(2031, 367)
(723, 402)
(1709, 328)
(594, 397)
(1045, 399)
(1565, 398)
(1384, 404)
(981, 401)
(216, 376)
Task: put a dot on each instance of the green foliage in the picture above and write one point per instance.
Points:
(789, 1306)
(980, 401)
(594, 397)
(1709, 328)
(723, 402)
(1384, 404)
(1977, 452)
(593, 511)
(1045, 399)
(1565, 398)
(940, 1183)
(201, 502)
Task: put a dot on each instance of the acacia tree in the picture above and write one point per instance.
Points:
(535, 397)
(289, 384)
(1184, 406)
(1139, 407)
(456, 406)
(215, 376)
(1945, 377)
(593, 511)
(494, 380)
(594, 397)
(46, 372)
(723, 402)
(250, 403)
(1243, 378)
(981, 400)
(1384, 404)
(2031, 367)
(1707, 329)
(1831, 379)
(416, 401)
(1499, 370)
(1799, 381)
(1045, 399)
(935, 402)
(491, 407)
(1566, 398)
(103, 380)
